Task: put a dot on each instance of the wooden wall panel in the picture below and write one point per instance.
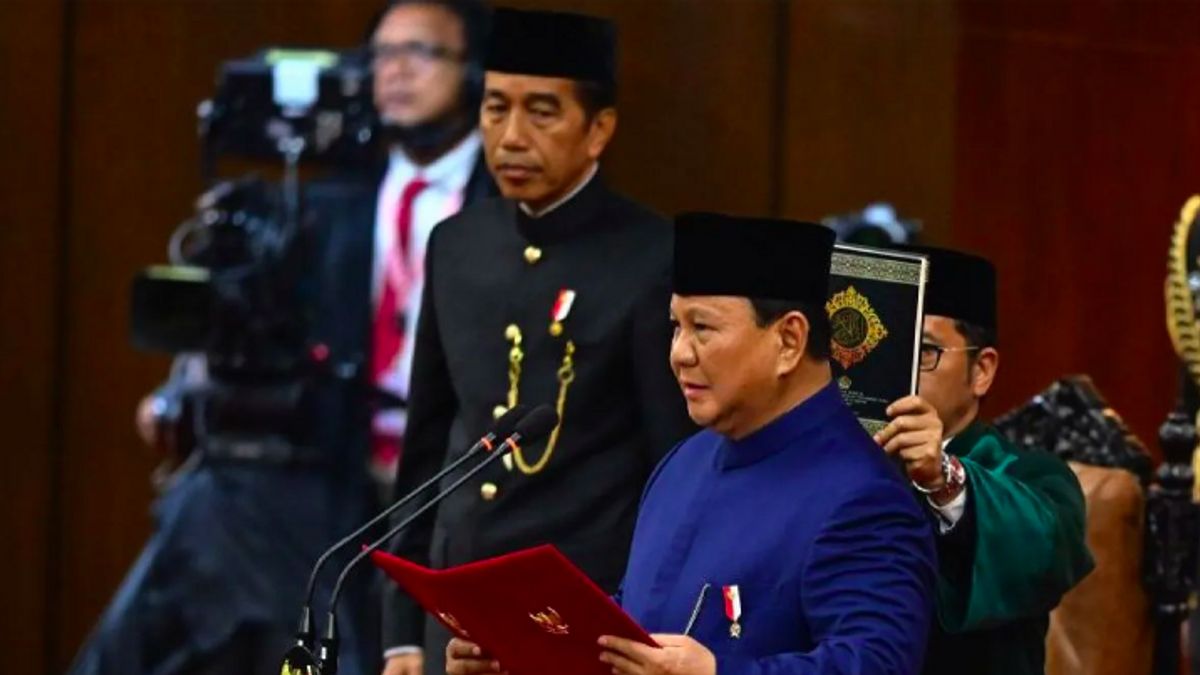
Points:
(1076, 142)
(698, 99)
(31, 41)
(870, 108)
(700, 94)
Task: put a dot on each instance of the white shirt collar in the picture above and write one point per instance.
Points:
(568, 197)
(454, 167)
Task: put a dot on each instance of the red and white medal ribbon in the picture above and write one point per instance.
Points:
(733, 610)
(562, 306)
(559, 312)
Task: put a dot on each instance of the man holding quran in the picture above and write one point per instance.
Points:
(779, 539)
(1010, 521)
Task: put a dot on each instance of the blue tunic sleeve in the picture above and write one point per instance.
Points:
(867, 591)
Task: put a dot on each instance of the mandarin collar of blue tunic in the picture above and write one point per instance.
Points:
(781, 431)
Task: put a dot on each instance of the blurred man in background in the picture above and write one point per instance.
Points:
(218, 586)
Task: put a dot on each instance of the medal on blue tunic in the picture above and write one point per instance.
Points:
(733, 610)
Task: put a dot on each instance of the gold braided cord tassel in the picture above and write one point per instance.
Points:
(566, 375)
(515, 356)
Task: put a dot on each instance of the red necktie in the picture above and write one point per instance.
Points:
(388, 331)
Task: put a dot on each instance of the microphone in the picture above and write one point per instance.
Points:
(533, 427)
(305, 636)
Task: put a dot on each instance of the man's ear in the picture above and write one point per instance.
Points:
(792, 332)
(601, 131)
(983, 372)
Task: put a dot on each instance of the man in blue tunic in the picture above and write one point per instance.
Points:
(779, 539)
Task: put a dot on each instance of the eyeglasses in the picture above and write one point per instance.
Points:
(931, 355)
(416, 53)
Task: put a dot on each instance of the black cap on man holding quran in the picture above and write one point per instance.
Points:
(961, 286)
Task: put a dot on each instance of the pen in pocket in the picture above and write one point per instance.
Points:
(687, 630)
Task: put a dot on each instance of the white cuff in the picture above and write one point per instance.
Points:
(949, 514)
(401, 651)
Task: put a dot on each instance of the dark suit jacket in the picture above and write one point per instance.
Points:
(343, 211)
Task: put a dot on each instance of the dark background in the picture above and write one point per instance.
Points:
(1058, 137)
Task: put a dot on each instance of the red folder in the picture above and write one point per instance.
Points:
(531, 610)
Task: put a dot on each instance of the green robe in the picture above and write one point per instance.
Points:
(1019, 546)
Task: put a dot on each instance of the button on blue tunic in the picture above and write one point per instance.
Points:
(832, 557)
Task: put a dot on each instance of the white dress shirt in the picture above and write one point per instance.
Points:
(447, 178)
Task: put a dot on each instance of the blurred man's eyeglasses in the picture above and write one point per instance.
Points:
(416, 53)
(931, 355)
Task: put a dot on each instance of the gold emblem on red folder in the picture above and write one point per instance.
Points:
(551, 622)
(856, 329)
(452, 623)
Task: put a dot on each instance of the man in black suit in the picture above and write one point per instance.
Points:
(218, 586)
(556, 293)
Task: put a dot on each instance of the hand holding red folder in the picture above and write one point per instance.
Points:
(468, 658)
(677, 655)
(533, 611)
